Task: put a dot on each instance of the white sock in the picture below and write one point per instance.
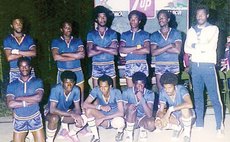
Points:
(50, 134)
(130, 129)
(64, 126)
(187, 122)
(173, 126)
(93, 127)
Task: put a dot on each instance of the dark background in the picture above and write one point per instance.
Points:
(43, 17)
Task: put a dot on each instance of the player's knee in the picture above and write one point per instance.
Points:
(186, 113)
(118, 122)
(53, 119)
(151, 125)
(88, 112)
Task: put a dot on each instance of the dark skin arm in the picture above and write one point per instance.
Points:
(148, 107)
(145, 49)
(91, 51)
(111, 49)
(79, 54)
(170, 48)
(29, 53)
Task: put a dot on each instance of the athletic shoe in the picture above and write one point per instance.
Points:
(129, 139)
(220, 133)
(143, 136)
(176, 133)
(94, 139)
(119, 136)
(186, 139)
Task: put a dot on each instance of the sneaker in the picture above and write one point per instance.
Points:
(94, 139)
(119, 136)
(220, 133)
(143, 136)
(176, 133)
(186, 139)
(128, 139)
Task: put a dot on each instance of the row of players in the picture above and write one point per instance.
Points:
(135, 44)
(105, 106)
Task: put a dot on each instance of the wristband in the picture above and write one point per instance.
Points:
(15, 51)
(24, 103)
(98, 107)
(138, 46)
(171, 109)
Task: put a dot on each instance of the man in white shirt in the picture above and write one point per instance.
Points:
(201, 44)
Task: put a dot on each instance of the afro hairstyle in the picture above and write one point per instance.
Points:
(169, 78)
(68, 75)
(139, 76)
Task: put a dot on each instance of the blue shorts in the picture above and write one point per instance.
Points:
(99, 70)
(31, 124)
(161, 69)
(16, 74)
(79, 74)
(132, 68)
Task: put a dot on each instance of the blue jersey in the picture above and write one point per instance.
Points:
(71, 47)
(181, 92)
(130, 98)
(158, 39)
(115, 97)
(64, 101)
(133, 39)
(102, 41)
(10, 42)
(19, 88)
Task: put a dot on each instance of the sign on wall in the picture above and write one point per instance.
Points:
(121, 9)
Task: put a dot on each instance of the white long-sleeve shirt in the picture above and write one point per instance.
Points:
(202, 45)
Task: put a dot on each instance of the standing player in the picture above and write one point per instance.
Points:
(138, 102)
(165, 47)
(18, 45)
(62, 96)
(201, 44)
(68, 51)
(135, 45)
(107, 110)
(102, 46)
(23, 96)
(179, 114)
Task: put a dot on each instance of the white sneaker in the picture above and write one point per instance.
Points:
(128, 139)
(143, 135)
(220, 133)
(176, 134)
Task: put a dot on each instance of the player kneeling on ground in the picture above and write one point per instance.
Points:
(179, 115)
(104, 107)
(138, 102)
(62, 96)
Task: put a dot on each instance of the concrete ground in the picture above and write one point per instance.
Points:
(206, 134)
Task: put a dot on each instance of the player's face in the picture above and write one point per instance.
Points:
(17, 25)
(66, 29)
(163, 20)
(101, 19)
(68, 84)
(24, 69)
(104, 87)
(139, 86)
(134, 21)
(201, 17)
(169, 89)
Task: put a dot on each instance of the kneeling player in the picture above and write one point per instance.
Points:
(104, 107)
(62, 96)
(139, 108)
(180, 114)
